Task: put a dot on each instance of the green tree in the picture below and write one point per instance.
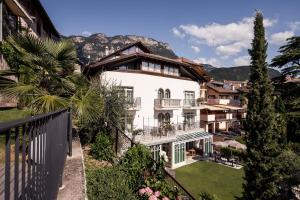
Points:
(289, 58)
(261, 173)
(46, 81)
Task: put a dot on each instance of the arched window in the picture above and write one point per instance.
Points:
(160, 94)
(167, 117)
(161, 119)
(167, 94)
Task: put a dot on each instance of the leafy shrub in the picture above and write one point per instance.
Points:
(165, 188)
(207, 196)
(101, 149)
(136, 162)
(108, 183)
(227, 152)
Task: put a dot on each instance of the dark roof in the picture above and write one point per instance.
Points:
(197, 67)
(221, 89)
(139, 44)
(100, 64)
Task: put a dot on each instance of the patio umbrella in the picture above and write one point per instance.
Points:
(235, 144)
(220, 144)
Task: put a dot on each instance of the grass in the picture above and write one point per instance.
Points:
(222, 181)
(13, 114)
(8, 115)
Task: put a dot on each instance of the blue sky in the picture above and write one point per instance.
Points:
(217, 32)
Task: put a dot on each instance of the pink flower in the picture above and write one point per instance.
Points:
(148, 190)
(142, 191)
(152, 197)
(157, 193)
(165, 198)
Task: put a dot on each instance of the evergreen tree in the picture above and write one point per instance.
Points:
(261, 171)
(289, 58)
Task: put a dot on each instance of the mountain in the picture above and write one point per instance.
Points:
(208, 67)
(239, 73)
(94, 46)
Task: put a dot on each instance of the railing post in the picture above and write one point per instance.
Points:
(70, 131)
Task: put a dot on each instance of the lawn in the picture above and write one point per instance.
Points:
(222, 181)
(8, 115)
(12, 114)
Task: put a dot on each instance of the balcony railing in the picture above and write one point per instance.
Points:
(134, 103)
(232, 102)
(35, 152)
(220, 117)
(153, 128)
(190, 103)
(167, 103)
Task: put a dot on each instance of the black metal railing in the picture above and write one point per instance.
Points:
(35, 153)
(123, 142)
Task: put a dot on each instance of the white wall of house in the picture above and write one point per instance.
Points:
(147, 86)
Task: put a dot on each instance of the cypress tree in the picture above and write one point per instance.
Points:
(261, 172)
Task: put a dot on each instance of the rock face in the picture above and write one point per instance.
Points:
(93, 47)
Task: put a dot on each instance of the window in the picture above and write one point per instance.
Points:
(129, 122)
(128, 93)
(179, 153)
(157, 67)
(189, 98)
(171, 70)
(160, 94)
(189, 118)
(145, 66)
(152, 67)
(155, 151)
(167, 94)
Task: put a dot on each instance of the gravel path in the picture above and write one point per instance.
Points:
(73, 180)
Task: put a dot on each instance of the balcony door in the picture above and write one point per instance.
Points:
(189, 98)
(189, 118)
(128, 93)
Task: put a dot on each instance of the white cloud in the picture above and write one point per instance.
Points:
(195, 49)
(220, 34)
(231, 49)
(227, 39)
(86, 33)
(294, 26)
(280, 37)
(211, 61)
(241, 61)
(177, 33)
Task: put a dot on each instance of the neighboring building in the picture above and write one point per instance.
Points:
(223, 109)
(23, 16)
(165, 101)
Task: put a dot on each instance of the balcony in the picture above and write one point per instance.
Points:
(208, 118)
(134, 103)
(232, 102)
(154, 133)
(167, 103)
(190, 104)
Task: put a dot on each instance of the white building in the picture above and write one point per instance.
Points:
(165, 96)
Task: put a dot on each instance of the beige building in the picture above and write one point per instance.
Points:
(222, 109)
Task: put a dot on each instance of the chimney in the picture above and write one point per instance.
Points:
(106, 51)
(232, 87)
(112, 50)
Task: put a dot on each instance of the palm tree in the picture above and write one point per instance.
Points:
(46, 80)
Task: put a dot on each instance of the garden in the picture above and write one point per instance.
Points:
(211, 179)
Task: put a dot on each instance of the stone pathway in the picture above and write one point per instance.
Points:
(74, 179)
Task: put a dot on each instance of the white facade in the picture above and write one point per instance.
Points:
(147, 87)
